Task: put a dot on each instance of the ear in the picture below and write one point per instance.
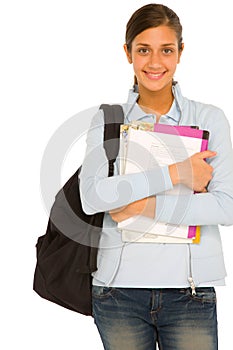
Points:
(128, 54)
(180, 52)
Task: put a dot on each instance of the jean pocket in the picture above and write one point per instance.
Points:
(205, 295)
(101, 292)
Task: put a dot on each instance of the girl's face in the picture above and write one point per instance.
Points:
(154, 55)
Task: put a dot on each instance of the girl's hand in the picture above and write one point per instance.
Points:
(145, 207)
(193, 172)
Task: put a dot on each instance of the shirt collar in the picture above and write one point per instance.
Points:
(174, 113)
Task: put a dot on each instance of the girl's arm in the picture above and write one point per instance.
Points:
(100, 193)
(208, 207)
(194, 173)
(216, 206)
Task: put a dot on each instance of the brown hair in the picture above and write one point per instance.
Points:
(149, 16)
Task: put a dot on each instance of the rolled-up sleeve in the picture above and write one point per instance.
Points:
(100, 193)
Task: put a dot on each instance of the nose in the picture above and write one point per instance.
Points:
(155, 60)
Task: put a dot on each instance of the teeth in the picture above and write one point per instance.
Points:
(155, 75)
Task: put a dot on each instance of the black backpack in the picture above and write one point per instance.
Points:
(67, 252)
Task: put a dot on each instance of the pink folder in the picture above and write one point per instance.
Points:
(189, 131)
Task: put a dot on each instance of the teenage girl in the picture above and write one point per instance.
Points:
(149, 293)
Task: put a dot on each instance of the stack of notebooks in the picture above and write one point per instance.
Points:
(144, 146)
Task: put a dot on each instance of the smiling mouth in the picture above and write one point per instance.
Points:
(154, 76)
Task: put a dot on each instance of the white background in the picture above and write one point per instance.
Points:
(59, 58)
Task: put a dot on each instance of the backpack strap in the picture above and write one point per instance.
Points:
(113, 118)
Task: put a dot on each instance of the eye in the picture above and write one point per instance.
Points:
(143, 51)
(168, 51)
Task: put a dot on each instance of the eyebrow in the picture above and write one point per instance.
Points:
(147, 45)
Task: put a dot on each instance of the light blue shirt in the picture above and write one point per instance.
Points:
(154, 265)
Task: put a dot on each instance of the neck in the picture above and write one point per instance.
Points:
(158, 102)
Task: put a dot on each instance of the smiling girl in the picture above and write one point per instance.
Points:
(149, 293)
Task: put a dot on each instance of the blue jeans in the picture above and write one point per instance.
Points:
(138, 319)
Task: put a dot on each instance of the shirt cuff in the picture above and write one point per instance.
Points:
(167, 178)
(172, 209)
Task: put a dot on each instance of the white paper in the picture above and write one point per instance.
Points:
(141, 150)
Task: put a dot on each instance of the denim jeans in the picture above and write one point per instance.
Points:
(138, 319)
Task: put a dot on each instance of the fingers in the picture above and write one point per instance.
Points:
(115, 211)
(195, 172)
(206, 154)
(204, 190)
